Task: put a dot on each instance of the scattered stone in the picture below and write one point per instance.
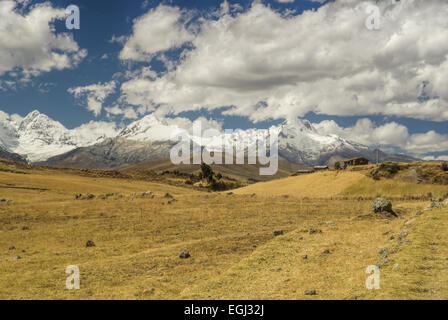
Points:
(310, 292)
(326, 251)
(381, 205)
(387, 233)
(2, 200)
(395, 266)
(17, 257)
(278, 269)
(252, 195)
(402, 235)
(184, 254)
(90, 243)
(24, 228)
(229, 193)
(167, 195)
(384, 252)
(313, 231)
(436, 204)
(102, 197)
(419, 213)
(278, 233)
(384, 262)
(305, 256)
(300, 238)
(330, 223)
(12, 248)
(285, 196)
(84, 196)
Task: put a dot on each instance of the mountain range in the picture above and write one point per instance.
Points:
(39, 139)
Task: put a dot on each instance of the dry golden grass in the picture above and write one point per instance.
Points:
(234, 253)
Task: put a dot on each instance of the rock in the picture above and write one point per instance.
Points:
(384, 252)
(300, 238)
(278, 233)
(184, 254)
(229, 193)
(395, 266)
(17, 257)
(326, 251)
(90, 243)
(167, 195)
(313, 231)
(278, 269)
(25, 228)
(436, 204)
(252, 195)
(304, 257)
(402, 235)
(383, 262)
(330, 223)
(84, 196)
(419, 213)
(12, 248)
(381, 205)
(310, 292)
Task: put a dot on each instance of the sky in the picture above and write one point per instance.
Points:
(243, 63)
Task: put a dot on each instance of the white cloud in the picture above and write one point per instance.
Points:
(29, 43)
(324, 61)
(389, 136)
(94, 94)
(439, 158)
(160, 29)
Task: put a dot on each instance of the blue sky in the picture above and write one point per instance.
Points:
(102, 21)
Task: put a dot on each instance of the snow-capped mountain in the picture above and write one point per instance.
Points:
(37, 137)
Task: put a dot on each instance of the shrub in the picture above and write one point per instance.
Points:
(444, 166)
(337, 165)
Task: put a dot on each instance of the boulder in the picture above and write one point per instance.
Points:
(382, 205)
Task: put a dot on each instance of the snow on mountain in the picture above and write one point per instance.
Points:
(38, 137)
(299, 141)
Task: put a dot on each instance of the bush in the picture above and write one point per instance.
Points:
(337, 165)
(444, 166)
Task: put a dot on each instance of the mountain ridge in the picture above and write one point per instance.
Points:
(39, 139)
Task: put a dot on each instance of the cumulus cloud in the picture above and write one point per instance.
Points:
(160, 29)
(29, 43)
(391, 136)
(267, 64)
(94, 94)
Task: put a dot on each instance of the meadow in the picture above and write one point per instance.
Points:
(247, 244)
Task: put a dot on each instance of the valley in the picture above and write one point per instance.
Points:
(249, 243)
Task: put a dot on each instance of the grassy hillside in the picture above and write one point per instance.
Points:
(246, 173)
(234, 252)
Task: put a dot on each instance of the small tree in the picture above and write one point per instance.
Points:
(219, 176)
(444, 166)
(207, 171)
(337, 165)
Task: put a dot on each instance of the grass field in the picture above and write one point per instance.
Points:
(234, 253)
